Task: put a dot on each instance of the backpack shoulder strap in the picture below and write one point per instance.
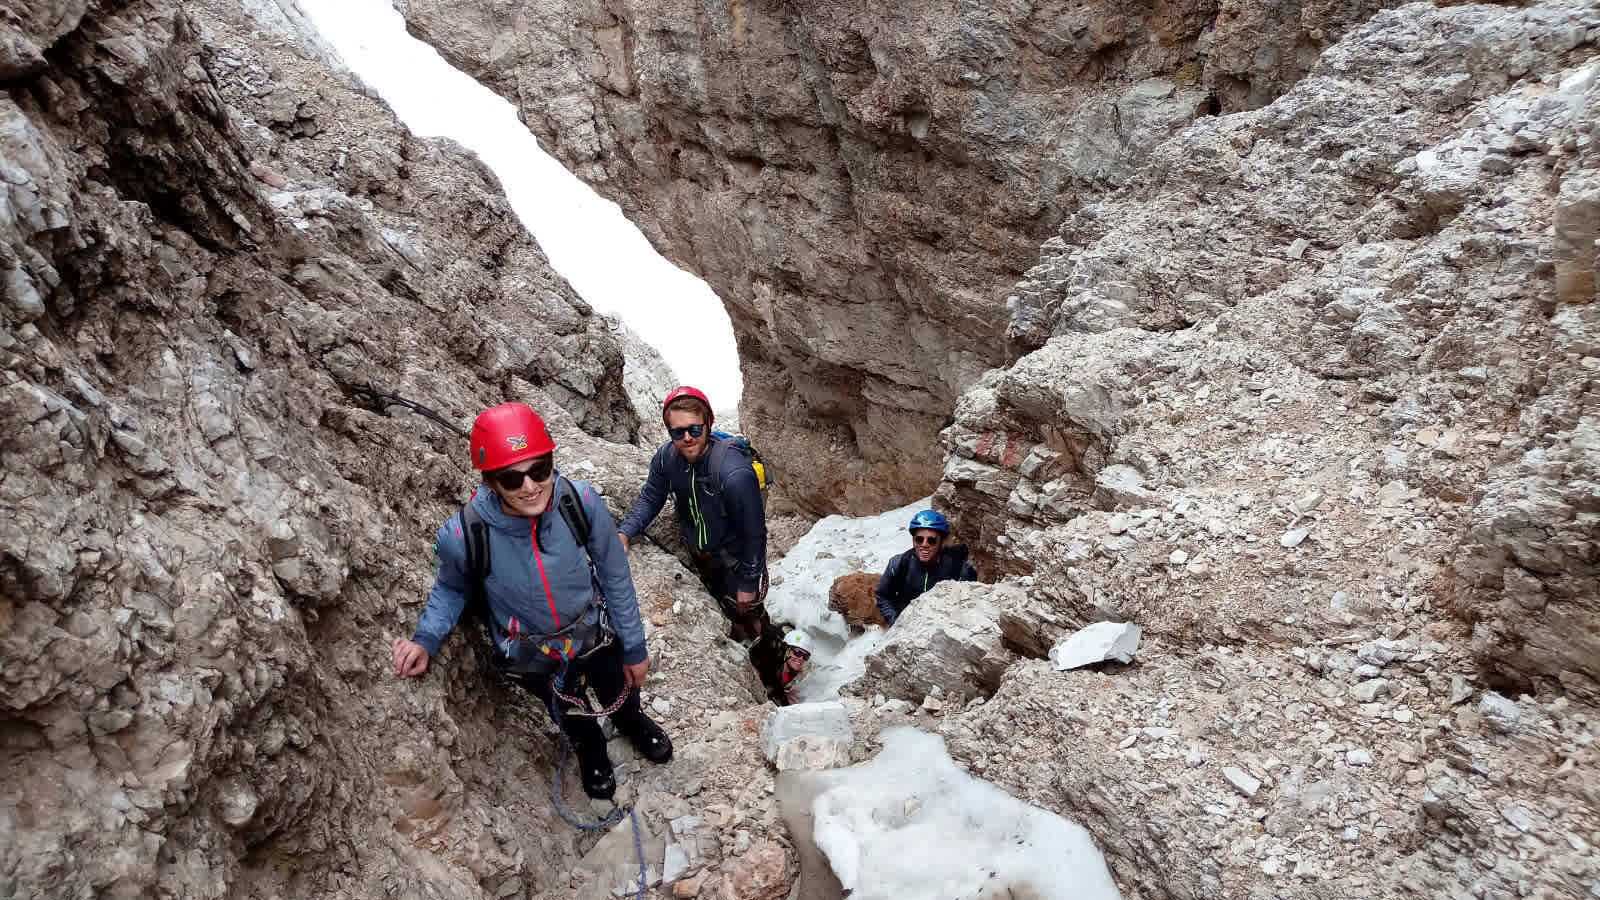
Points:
(573, 513)
(475, 532)
(719, 453)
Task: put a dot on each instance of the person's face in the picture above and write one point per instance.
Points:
(690, 446)
(796, 659)
(533, 480)
(926, 542)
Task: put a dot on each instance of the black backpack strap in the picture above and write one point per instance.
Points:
(475, 532)
(572, 511)
(570, 505)
(718, 453)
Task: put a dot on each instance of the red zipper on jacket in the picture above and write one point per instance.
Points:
(533, 536)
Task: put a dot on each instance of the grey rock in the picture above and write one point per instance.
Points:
(1121, 486)
(1501, 714)
(948, 638)
(1370, 690)
(1095, 643)
(1242, 781)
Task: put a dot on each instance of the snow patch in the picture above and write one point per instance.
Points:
(911, 823)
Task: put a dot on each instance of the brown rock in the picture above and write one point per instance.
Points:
(268, 177)
(851, 597)
(689, 887)
(761, 874)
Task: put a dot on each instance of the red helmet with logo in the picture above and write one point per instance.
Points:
(686, 391)
(507, 434)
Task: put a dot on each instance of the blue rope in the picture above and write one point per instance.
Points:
(558, 683)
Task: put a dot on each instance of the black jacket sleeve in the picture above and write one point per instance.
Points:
(885, 592)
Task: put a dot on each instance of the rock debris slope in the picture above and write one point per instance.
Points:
(1314, 402)
(861, 183)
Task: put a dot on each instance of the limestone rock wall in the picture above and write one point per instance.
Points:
(1364, 295)
(1326, 364)
(209, 243)
(861, 183)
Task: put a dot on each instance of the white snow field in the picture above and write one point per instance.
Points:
(835, 546)
(910, 823)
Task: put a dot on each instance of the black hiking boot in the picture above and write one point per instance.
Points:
(594, 767)
(647, 737)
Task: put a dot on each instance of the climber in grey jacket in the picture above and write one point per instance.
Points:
(543, 599)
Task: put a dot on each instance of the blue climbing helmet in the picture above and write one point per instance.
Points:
(929, 518)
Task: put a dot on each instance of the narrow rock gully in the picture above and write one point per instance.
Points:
(1253, 353)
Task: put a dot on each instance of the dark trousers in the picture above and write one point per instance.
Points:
(766, 653)
(600, 671)
(721, 582)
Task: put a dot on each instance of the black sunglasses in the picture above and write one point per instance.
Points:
(690, 430)
(920, 539)
(511, 479)
(802, 654)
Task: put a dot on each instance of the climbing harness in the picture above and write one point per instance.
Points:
(583, 707)
(557, 682)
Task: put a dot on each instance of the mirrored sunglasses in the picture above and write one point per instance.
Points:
(693, 431)
(511, 479)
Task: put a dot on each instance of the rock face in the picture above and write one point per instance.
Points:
(1325, 361)
(211, 244)
(1248, 774)
(862, 183)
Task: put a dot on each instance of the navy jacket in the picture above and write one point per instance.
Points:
(906, 578)
(535, 589)
(722, 515)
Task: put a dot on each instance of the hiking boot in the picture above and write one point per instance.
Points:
(594, 768)
(647, 737)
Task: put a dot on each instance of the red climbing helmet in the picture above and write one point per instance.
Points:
(507, 434)
(686, 391)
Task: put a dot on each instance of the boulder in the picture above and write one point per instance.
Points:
(949, 638)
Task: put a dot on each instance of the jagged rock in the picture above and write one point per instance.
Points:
(807, 736)
(207, 515)
(948, 638)
(1097, 643)
(832, 159)
(851, 596)
(1121, 487)
(1030, 625)
(1501, 714)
